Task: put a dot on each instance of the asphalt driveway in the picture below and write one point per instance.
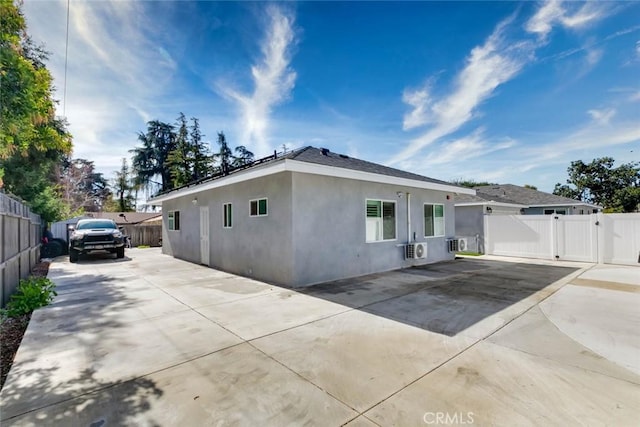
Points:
(152, 340)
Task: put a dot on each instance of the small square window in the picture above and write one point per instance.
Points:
(258, 207)
(381, 221)
(173, 219)
(227, 215)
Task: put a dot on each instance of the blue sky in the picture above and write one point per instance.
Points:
(509, 92)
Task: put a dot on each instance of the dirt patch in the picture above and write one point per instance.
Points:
(13, 329)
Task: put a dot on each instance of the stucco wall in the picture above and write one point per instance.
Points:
(470, 224)
(330, 231)
(258, 247)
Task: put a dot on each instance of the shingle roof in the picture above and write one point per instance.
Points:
(468, 198)
(319, 156)
(325, 157)
(509, 193)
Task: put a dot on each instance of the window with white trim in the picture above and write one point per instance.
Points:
(258, 207)
(173, 219)
(381, 220)
(227, 213)
(433, 220)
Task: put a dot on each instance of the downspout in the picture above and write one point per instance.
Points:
(408, 217)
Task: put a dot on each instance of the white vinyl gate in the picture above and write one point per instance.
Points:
(603, 238)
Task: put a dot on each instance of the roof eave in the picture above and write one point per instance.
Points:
(502, 204)
(575, 203)
(310, 168)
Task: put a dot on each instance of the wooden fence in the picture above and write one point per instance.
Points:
(20, 233)
(140, 234)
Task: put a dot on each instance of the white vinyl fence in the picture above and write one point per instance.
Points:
(602, 238)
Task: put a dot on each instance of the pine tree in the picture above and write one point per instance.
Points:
(201, 157)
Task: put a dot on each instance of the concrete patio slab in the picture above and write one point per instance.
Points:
(207, 292)
(613, 273)
(361, 421)
(585, 315)
(535, 334)
(358, 357)
(262, 315)
(72, 363)
(492, 385)
(510, 342)
(236, 386)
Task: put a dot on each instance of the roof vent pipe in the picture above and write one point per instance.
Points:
(324, 151)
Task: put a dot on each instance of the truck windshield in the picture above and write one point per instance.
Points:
(95, 224)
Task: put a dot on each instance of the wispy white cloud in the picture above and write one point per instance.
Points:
(420, 114)
(460, 150)
(599, 136)
(602, 117)
(490, 65)
(542, 21)
(273, 80)
(487, 67)
(594, 56)
(569, 15)
(119, 65)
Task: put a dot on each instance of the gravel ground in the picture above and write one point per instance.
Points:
(12, 330)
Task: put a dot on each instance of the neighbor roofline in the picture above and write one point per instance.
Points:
(291, 165)
(576, 203)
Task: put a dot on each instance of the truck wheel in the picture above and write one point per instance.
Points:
(120, 252)
(73, 255)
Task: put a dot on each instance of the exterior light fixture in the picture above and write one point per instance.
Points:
(489, 210)
(195, 201)
(400, 194)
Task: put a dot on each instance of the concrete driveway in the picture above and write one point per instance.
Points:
(151, 340)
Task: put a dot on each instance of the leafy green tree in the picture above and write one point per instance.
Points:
(30, 134)
(27, 107)
(470, 183)
(38, 186)
(566, 191)
(600, 183)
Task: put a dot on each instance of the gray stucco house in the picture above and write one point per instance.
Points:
(508, 199)
(310, 216)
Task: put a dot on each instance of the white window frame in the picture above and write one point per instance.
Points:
(227, 215)
(424, 220)
(395, 217)
(171, 220)
(266, 200)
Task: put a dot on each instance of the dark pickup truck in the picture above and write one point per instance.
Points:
(96, 235)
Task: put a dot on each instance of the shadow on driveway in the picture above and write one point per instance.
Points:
(86, 311)
(446, 298)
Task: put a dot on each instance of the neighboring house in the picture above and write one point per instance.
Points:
(123, 219)
(508, 199)
(310, 216)
(535, 202)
